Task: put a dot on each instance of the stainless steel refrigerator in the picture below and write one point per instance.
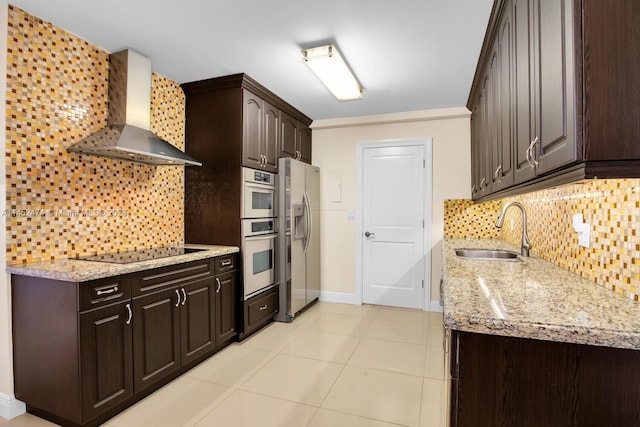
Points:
(299, 237)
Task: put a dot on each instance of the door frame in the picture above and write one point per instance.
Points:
(427, 144)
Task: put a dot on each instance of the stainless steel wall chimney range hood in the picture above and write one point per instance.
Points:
(127, 134)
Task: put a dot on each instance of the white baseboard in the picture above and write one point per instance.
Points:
(339, 297)
(435, 306)
(344, 298)
(10, 407)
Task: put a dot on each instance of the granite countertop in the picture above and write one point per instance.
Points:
(75, 270)
(533, 298)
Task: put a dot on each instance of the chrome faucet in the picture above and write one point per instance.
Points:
(526, 245)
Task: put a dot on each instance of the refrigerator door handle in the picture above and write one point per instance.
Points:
(307, 206)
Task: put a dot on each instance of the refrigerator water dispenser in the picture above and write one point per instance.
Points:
(298, 222)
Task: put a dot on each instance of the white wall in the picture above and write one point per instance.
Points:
(334, 151)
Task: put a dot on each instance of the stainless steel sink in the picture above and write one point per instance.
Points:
(487, 254)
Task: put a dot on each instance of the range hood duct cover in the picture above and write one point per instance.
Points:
(127, 134)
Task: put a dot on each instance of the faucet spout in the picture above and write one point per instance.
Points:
(525, 247)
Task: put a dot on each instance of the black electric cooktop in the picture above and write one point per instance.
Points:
(141, 254)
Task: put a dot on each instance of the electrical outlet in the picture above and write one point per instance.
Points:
(584, 238)
(351, 215)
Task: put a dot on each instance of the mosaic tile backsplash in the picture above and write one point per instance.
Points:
(465, 219)
(64, 205)
(611, 207)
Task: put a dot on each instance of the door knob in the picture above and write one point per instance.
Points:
(369, 234)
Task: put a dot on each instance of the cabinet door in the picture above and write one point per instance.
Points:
(475, 141)
(484, 148)
(288, 136)
(493, 120)
(304, 143)
(505, 135)
(197, 320)
(106, 358)
(271, 140)
(523, 57)
(225, 306)
(252, 130)
(156, 337)
(553, 81)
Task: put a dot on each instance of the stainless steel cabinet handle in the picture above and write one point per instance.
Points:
(264, 307)
(107, 291)
(482, 182)
(532, 162)
(369, 234)
(184, 296)
(225, 262)
(496, 174)
(474, 189)
(218, 288)
(533, 144)
(128, 322)
(178, 301)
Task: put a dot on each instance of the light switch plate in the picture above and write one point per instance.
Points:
(584, 237)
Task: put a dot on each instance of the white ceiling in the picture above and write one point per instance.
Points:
(408, 54)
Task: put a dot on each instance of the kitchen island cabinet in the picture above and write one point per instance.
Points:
(85, 350)
(532, 344)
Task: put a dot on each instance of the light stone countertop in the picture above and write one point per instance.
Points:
(74, 270)
(533, 299)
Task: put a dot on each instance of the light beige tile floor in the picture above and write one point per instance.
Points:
(336, 365)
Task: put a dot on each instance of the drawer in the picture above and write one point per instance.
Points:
(225, 263)
(103, 291)
(159, 278)
(260, 309)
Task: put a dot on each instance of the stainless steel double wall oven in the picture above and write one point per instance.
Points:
(259, 233)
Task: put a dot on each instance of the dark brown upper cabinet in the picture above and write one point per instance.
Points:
(554, 94)
(260, 133)
(231, 122)
(234, 121)
(295, 141)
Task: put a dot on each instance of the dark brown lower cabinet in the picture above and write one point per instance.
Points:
(156, 337)
(505, 381)
(198, 312)
(259, 310)
(225, 306)
(106, 365)
(84, 351)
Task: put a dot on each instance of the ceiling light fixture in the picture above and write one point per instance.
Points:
(333, 72)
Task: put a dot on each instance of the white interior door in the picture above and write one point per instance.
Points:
(393, 226)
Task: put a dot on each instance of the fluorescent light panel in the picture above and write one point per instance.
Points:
(333, 72)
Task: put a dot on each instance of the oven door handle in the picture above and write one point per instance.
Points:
(265, 237)
(260, 186)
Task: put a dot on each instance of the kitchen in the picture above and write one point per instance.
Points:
(334, 143)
